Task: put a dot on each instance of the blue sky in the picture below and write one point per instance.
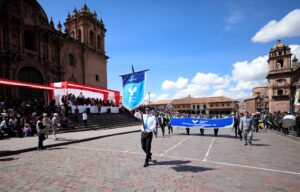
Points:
(201, 48)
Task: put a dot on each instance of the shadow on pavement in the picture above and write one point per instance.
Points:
(189, 168)
(9, 159)
(181, 167)
(7, 153)
(56, 148)
(260, 145)
(173, 162)
(65, 139)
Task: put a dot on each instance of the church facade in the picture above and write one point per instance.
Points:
(33, 50)
(283, 78)
(282, 91)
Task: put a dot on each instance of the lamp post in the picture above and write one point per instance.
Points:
(149, 99)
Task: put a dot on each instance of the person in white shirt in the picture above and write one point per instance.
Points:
(84, 118)
(149, 124)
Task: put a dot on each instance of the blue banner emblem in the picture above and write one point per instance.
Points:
(202, 123)
(133, 90)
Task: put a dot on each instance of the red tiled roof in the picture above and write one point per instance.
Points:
(190, 100)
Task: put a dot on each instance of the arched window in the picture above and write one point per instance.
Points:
(30, 41)
(70, 59)
(79, 35)
(279, 64)
(280, 92)
(92, 38)
(98, 42)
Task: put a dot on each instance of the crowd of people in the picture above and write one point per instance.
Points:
(258, 120)
(34, 117)
(19, 118)
(244, 124)
(82, 100)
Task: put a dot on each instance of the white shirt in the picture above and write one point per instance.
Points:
(84, 116)
(149, 121)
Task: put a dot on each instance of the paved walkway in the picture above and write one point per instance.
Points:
(10, 146)
(182, 163)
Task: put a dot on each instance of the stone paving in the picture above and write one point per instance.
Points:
(9, 145)
(182, 163)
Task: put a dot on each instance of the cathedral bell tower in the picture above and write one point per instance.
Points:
(84, 29)
(84, 26)
(279, 77)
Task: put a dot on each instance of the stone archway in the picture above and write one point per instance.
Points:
(30, 75)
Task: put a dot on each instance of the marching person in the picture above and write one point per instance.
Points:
(168, 120)
(236, 125)
(149, 124)
(47, 124)
(54, 121)
(161, 122)
(41, 132)
(246, 127)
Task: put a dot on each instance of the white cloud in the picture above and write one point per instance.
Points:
(295, 49)
(192, 89)
(244, 76)
(289, 26)
(232, 94)
(211, 79)
(171, 85)
(248, 85)
(257, 69)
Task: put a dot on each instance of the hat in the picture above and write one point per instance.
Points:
(55, 114)
(45, 115)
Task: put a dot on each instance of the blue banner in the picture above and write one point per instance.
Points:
(133, 90)
(202, 123)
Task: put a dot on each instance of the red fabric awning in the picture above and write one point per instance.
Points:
(16, 83)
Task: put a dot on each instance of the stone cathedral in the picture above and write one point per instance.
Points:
(33, 49)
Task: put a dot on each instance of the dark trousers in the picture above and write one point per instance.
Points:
(202, 131)
(170, 128)
(85, 122)
(41, 140)
(240, 134)
(216, 132)
(285, 131)
(162, 126)
(236, 130)
(256, 128)
(146, 140)
(188, 131)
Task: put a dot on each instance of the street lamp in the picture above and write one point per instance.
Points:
(149, 98)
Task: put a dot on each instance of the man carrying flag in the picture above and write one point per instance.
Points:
(149, 124)
(133, 96)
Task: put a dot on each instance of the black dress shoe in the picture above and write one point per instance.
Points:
(146, 164)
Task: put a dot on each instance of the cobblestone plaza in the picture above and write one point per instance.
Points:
(181, 163)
